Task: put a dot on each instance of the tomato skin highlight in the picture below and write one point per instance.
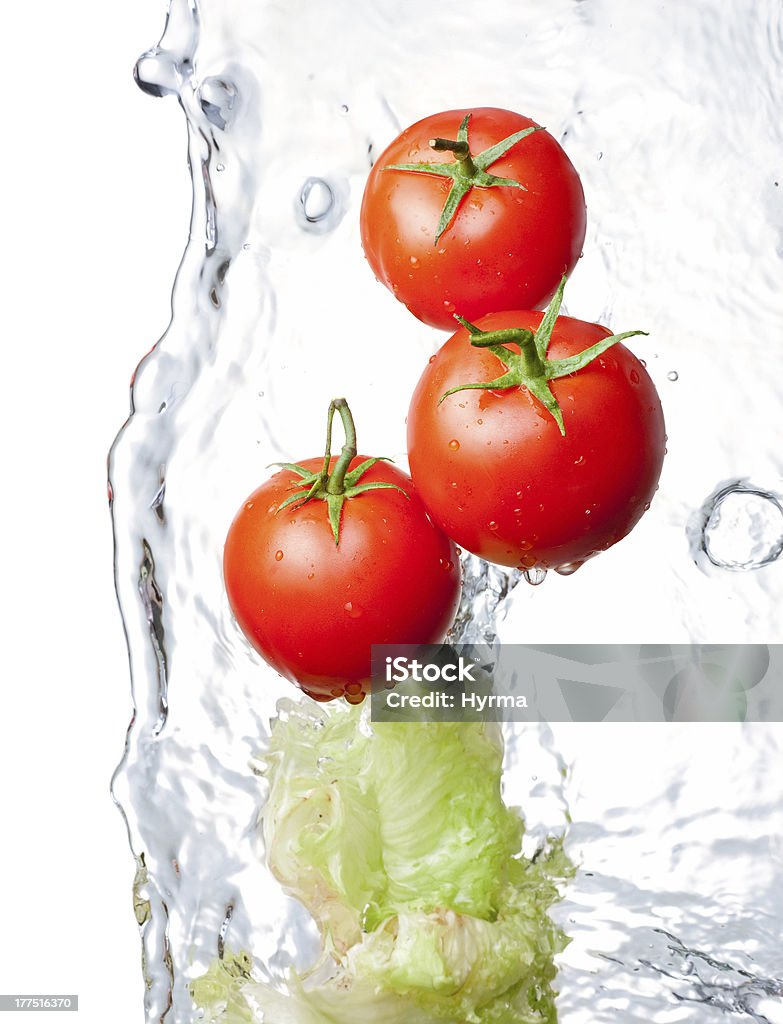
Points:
(505, 248)
(311, 608)
(498, 477)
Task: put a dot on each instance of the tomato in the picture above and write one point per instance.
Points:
(500, 244)
(492, 464)
(311, 606)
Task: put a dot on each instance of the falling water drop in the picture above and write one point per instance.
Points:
(568, 568)
(535, 577)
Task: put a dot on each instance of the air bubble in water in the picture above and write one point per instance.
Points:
(741, 527)
(319, 208)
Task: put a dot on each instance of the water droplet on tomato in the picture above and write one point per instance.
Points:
(634, 376)
(587, 511)
(352, 689)
(311, 575)
(453, 483)
(248, 505)
(480, 422)
(568, 568)
(354, 697)
(454, 444)
(432, 359)
(353, 610)
(278, 556)
(414, 261)
(448, 306)
(446, 565)
(579, 461)
(535, 577)
(492, 525)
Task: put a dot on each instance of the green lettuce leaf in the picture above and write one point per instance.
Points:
(396, 838)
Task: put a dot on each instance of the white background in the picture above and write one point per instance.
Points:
(96, 202)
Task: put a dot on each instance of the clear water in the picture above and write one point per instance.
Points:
(671, 115)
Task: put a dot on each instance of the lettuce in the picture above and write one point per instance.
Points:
(396, 839)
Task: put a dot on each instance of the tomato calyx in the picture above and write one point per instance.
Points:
(341, 484)
(466, 170)
(530, 367)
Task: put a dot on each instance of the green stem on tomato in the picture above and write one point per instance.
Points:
(530, 367)
(461, 150)
(342, 483)
(336, 482)
(467, 171)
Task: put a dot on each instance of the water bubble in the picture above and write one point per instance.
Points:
(739, 527)
(218, 97)
(319, 208)
(454, 444)
(634, 376)
(278, 556)
(535, 577)
(352, 609)
(158, 73)
(672, 375)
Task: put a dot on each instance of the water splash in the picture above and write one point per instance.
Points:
(275, 312)
(485, 588)
(739, 527)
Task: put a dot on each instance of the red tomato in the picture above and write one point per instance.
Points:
(494, 469)
(313, 608)
(505, 247)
